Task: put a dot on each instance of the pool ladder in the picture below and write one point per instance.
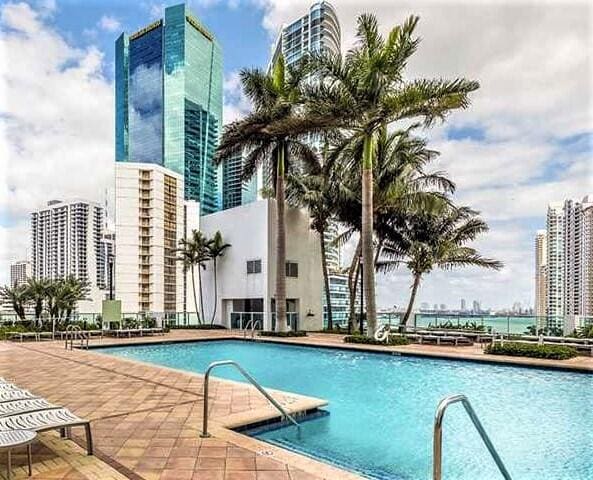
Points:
(251, 380)
(251, 325)
(437, 447)
(74, 332)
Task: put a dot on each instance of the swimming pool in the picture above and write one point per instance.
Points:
(382, 409)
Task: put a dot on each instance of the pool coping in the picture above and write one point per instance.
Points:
(525, 362)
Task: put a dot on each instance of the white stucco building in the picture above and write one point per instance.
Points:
(247, 271)
(148, 226)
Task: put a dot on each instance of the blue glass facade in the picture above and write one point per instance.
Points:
(168, 84)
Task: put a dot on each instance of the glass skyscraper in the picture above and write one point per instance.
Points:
(168, 99)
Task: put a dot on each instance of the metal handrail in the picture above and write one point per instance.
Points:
(74, 332)
(437, 446)
(251, 324)
(251, 380)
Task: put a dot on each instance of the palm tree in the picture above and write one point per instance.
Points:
(424, 242)
(272, 135)
(37, 292)
(18, 298)
(367, 91)
(216, 248)
(319, 191)
(193, 252)
(401, 187)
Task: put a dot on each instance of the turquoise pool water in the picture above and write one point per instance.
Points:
(382, 409)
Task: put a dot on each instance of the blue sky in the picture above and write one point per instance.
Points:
(525, 141)
(239, 30)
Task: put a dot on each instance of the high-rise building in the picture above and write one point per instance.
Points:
(541, 255)
(578, 259)
(555, 260)
(65, 241)
(317, 30)
(569, 260)
(463, 306)
(168, 101)
(476, 307)
(107, 255)
(20, 272)
(235, 190)
(149, 223)
(587, 257)
(340, 299)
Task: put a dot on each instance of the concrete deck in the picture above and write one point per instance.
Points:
(146, 419)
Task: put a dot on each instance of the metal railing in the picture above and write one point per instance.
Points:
(251, 325)
(74, 332)
(251, 380)
(437, 446)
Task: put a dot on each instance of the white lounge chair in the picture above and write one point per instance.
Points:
(15, 407)
(11, 395)
(44, 420)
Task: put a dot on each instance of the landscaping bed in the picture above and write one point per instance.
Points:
(371, 341)
(552, 352)
(269, 333)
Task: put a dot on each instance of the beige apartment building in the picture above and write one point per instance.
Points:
(149, 224)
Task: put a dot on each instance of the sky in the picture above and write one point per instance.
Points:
(525, 141)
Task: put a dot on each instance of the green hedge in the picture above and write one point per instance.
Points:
(197, 327)
(269, 333)
(371, 341)
(554, 352)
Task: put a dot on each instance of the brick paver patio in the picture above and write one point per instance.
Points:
(146, 420)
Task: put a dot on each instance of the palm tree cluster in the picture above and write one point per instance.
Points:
(371, 175)
(55, 298)
(196, 251)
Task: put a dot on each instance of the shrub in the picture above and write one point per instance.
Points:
(4, 329)
(393, 340)
(270, 333)
(554, 352)
(204, 326)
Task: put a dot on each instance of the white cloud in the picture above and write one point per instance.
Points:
(236, 104)
(109, 23)
(56, 124)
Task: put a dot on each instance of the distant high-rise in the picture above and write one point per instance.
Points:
(318, 30)
(463, 305)
(540, 272)
(578, 258)
(66, 241)
(555, 260)
(568, 240)
(20, 272)
(476, 307)
(168, 101)
(235, 190)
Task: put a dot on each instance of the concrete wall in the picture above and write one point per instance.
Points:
(250, 229)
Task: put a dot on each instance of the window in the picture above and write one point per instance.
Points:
(292, 269)
(253, 266)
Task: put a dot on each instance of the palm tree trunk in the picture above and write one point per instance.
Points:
(408, 313)
(367, 235)
(215, 292)
(281, 324)
(193, 284)
(330, 323)
(201, 294)
(352, 283)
